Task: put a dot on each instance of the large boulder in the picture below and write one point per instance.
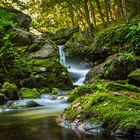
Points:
(22, 20)
(116, 67)
(45, 51)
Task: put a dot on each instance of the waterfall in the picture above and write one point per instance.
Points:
(62, 55)
(77, 72)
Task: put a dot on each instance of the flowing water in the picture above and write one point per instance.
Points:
(76, 67)
(39, 123)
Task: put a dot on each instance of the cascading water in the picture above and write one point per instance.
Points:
(77, 72)
(62, 55)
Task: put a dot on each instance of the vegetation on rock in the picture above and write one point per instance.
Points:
(29, 93)
(114, 105)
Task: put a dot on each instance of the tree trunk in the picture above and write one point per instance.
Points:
(100, 11)
(88, 19)
(125, 9)
(110, 12)
(106, 10)
(92, 12)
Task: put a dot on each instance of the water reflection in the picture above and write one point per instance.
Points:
(38, 124)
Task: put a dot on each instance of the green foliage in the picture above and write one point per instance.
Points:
(125, 57)
(29, 93)
(108, 71)
(119, 37)
(10, 90)
(135, 75)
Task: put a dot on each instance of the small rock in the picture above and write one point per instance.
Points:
(43, 69)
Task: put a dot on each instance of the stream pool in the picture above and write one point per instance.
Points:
(39, 124)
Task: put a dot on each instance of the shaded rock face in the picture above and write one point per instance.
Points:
(46, 51)
(113, 69)
(22, 39)
(62, 35)
(22, 19)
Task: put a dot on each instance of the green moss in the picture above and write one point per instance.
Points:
(113, 86)
(29, 93)
(54, 74)
(10, 90)
(135, 75)
(113, 111)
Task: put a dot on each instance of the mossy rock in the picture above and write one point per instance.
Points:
(115, 67)
(114, 110)
(49, 73)
(32, 104)
(114, 86)
(3, 99)
(10, 90)
(44, 90)
(134, 77)
(56, 91)
(29, 93)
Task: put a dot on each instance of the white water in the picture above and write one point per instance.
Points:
(46, 101)
(62, 55)
(78, 73)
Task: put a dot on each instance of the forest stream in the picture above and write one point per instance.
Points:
(40, 122)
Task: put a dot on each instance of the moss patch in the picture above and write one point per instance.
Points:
(102, 86)
(115, 110)
(29, 93)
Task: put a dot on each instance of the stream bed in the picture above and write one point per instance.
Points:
(38, 124)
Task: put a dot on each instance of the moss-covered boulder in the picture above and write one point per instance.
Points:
(32, 103)
(114, 106)
(3, 99)
(29, 93)
(115, 67)
(114, 111)
(10, 90)
(134, 77)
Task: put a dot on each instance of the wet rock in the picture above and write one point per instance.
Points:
(56, 91)
(32, 103)
(119, 133)
(3, 99)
